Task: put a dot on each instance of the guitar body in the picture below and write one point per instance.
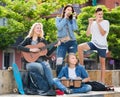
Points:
(31, 56)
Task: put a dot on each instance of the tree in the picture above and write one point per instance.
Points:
(114, 36)
(21, 14)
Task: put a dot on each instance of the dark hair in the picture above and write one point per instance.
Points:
(98, 9)
(63, 12)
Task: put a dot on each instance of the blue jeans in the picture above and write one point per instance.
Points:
(67, 47)
(43, 68)
(83, 89)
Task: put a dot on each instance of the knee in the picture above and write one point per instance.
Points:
(55, 79)
(59, 61)
(89, 88)
(80, 47)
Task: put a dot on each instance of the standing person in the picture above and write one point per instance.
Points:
(73, 70)
(41, 66)
(66, 25)
(99, 28)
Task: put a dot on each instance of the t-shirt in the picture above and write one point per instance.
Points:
(99, 40)
(71, 72)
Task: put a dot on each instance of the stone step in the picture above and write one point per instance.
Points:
(112, 77)
(115, 93)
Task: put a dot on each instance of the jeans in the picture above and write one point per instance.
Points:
(67, 47)
(33, 66)
(43, 68)
(83, 89)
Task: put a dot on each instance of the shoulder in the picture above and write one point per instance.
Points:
(80, 66)
(58, 18)
(28, 39)
(106, 21)
(65, 67)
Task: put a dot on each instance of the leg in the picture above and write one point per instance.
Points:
(48, 73)
(72, 47)
(81, 48)
(61, 52)
(102, 62)
(83, 89)
(35, 66)
(59, 85)
(102, 55)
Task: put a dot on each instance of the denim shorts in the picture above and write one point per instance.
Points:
(101, 52)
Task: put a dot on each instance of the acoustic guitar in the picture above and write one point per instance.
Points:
(33, 56)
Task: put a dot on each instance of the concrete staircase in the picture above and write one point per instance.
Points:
(7, 84)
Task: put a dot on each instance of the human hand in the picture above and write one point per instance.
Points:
(34, 50)
(98, 20)
(91, 20)
(58, 43)
(67, 14)
(74, 14)
(63, 78)
(79, 78)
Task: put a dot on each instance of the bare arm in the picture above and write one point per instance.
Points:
(89, 26)
(102, 31)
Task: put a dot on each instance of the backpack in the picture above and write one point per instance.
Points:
(97, 86)
(35, 84)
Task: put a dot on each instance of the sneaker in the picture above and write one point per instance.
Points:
(68, 91)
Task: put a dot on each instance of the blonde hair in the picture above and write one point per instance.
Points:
(31, 32)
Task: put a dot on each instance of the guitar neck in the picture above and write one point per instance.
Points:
(47, 46)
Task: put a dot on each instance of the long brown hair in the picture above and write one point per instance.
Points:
(63, 12)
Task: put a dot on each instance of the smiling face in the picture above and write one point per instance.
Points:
(37, 29)
(72, 60)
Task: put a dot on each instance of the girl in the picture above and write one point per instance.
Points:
(66, 25)
(41, 66)
(73, 70)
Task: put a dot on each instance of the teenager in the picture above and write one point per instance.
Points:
(73, 70)
(40, 66)
(99, 29)
(66, 25)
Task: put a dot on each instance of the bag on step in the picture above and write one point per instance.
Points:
(97, 86)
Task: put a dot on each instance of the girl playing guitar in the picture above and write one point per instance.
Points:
(34, 37)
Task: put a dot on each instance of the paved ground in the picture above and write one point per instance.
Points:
(89, 94)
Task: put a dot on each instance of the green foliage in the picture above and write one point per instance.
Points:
(64, 2)
(21, 14)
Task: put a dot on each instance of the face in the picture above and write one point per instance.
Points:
(37, 29)
(99, 15)
(68, 10)
(72, 60)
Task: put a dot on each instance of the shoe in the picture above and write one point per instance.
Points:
(68, 91)
(51, 92)
(59, 92)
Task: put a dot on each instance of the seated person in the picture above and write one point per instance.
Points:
(73, 70)
(41, 66)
